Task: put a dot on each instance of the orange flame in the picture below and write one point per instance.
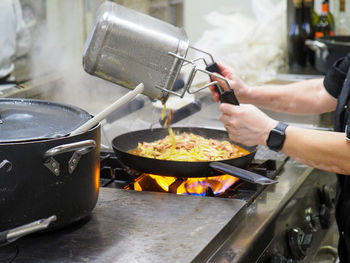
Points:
(193, 186)
(97, 178)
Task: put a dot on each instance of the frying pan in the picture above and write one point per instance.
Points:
(235, 166)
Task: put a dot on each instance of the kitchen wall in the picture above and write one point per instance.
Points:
(195, 10)
(84, 11)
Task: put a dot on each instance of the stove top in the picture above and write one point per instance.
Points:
(132, 226)
(157, 226)
(116, 175)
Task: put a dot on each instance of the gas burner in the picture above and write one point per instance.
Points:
(115, 175)
(206, 186)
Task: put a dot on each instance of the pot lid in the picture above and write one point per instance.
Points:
(25, 119)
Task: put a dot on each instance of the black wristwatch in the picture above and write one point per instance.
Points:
(276, 137)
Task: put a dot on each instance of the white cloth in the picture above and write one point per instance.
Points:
(254, 47)
(14, 35)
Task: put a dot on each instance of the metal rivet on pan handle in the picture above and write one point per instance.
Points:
(53, 165)
(74, 160)
(79, 148)
(6, 166)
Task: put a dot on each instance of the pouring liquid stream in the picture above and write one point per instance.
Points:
(170, 130)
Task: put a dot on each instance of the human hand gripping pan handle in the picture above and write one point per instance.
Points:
(225, 96)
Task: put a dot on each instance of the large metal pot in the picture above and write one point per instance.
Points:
(127, 47)
(45, 171)
(328, 50)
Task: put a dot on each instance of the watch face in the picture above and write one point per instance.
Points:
(275, 140)
(276, 137)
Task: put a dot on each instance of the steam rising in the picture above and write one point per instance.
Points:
(57, 54)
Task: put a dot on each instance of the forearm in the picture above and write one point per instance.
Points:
(320, 149)
(305, 97)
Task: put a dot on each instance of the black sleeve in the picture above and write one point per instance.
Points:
(333, 82)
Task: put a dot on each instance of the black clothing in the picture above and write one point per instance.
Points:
(337, 83)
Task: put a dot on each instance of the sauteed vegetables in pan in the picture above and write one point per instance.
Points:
(189, 147)
(124, 143)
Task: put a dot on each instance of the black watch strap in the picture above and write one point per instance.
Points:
(277, 137)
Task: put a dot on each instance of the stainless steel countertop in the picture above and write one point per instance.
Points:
(130, 226)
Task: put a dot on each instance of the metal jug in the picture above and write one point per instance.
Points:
(127, 47)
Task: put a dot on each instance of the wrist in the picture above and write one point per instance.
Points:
(249, 94)
(265, 135)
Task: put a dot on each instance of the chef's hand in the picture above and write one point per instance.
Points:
(246, 124)
(240, 89)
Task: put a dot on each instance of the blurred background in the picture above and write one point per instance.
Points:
(258, 38)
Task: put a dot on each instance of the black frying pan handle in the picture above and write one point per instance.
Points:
(227, 96)
(245, 175)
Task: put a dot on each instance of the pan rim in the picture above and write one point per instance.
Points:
(251, 149)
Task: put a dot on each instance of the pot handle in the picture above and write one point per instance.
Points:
(245, 175)
(79, 149)
(12, 235)
(6, 165)
(316, 45)
(82, 147)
